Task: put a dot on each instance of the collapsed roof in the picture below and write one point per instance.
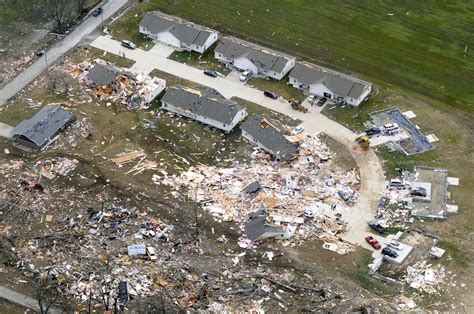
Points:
(44, 125)
(102, 75)
(186, 32)
(340, 84)
(263, 58)
(271, 135)
(207, 103)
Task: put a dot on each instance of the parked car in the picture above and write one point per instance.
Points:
(376, 226)
(40, 52)
(373, 242)
(210, 73)
(245, 75)
(128, 44)
(372, 131)
(390, 126)
(270, 94)
(394, 245)
(396, 183)
(322, 101)
(298, 129)
(389, 252)
(418, 191)
(151, 253)
(97, 12)
(123, 295)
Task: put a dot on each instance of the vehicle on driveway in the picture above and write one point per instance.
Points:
(298, 129)
(373, 242)
(270, 94)
(128, 44)
(418, 191)
(394, 245)
(322, 101)
(245, 75)
(389, 252)
(396, 183)
(97, 12)
(210, 73)
(40, 52)
(376, 226)
(372, 131)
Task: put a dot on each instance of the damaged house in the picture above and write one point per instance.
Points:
(39, 131)
(207, 106)
(269, 135)
(327, 83)
(173, 31)
(243, 55)
(134, 90)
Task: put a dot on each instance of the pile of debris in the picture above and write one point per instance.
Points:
(56, 167)
(292, 201)
(393, 209)
(108, 83)
(425, 277)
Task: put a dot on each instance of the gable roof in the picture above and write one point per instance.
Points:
(208, 103)
(263, 58)
(44, 124)
(186, 32)
(340, 84)
(271, 134)
(258, 229)
(102, 75)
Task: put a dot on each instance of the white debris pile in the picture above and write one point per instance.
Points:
(394, 208)
(56, 167)
(425, 277)
(300, 196)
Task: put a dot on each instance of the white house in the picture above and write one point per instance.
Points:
(327, 83)
(206, 106)
(176, 32)
(243, 55)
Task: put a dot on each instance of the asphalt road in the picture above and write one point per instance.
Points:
(53, 54)
(23, 300)
(371, 172)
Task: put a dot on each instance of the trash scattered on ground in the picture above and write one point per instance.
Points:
(425, 277)
(296, 197)
(56, 167)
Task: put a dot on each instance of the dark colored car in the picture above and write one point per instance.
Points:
(97, 12)
(373, 131)
(210, 73)
(383, 202)
(270, 94)
(40, 52)
(373, 242)
(389, 252)
(377, 227)
(419, 191)
(123, 295)
(322, 101)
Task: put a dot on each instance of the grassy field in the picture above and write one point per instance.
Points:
(206, 61)
(424, 48)
(279, 87)
(82, 53)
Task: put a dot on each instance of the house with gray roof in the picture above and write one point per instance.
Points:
(41, 130)
(244, 55)
(327, 83)
(258, 229)
(101, 75)
(270, 135)
(207, 106)
(176, 32)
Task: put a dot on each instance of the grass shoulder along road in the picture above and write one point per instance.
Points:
(81, 53)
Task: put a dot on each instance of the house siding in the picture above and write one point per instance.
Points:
(254, 141)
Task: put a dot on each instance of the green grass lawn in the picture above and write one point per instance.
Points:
(418, 47)
(81, 53)
(280, 87)
(205, 61)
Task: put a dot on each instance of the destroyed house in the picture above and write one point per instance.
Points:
(39, 131)
(206, 106)
(176, 32)
(327, 83)
(258, 229)
(244, 55)
(269, 135)
(101, 75)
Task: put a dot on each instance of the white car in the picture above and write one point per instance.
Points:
(298, 129)
(390, 126)
(245, 75)
(128, 44)
(395, 245)
(151, 253)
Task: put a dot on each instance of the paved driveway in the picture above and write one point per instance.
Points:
(53, 54)
(5, 130)
(372, 178)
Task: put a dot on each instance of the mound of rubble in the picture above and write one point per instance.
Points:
(291, 201)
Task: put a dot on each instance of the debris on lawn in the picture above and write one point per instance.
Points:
(56, 167)
(425, 277)
(294, 199)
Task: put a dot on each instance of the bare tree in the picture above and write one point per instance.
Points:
(47, 294)
(80, 4)
(61, 11)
